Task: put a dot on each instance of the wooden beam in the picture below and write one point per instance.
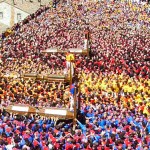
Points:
(75, 110)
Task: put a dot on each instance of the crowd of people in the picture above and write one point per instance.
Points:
(113, 82)
(108, 126)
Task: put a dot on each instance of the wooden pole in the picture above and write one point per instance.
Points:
(70, 73)
(88, 47)
(88, 42)
(75, 110)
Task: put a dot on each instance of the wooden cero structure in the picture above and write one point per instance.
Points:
(71, 50)
(21, 109)
(61, 113)
(48, 77)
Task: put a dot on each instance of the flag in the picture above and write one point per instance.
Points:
(72, 89)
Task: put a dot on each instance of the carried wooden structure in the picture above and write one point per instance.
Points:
(30, 75)
(61, 113)
(21, 109)
(71, 50)
(48, 77)
(51, 50)
(79, 51)
(10, 75)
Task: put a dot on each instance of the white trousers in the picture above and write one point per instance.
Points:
(68, 67)
(71, 103)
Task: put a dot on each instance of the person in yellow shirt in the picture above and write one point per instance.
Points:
(70, 62)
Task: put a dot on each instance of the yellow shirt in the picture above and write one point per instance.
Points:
(69, 57)
(145, 111)
(125, 88)
(129, 89)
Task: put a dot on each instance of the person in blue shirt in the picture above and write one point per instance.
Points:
(83, 127)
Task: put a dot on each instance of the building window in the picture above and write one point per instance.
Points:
(1, 15)
(18, 16)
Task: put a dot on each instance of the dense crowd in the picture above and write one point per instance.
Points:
(108, 126)
(119, 38)
(113, 83)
